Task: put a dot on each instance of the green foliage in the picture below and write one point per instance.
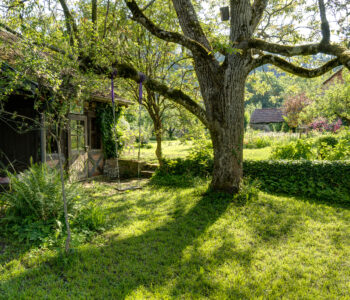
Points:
(34, 205)
(300, 149)
(257, 142)
(199, 162)
(33, 208)
(105, 121)
(329, 147)
(339, 151)
(249, 191)
(91, 217)
(329, 140)
(331, 101)
(37, 193)
(315, 179)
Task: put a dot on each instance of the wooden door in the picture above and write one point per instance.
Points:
(77, 147)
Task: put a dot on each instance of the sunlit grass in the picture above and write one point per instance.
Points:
(171, 150)
(257, 154)
(177, 149)
(178, 243)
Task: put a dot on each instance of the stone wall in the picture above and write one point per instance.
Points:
(127, 168)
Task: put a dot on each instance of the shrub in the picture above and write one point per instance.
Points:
(328, 140)
(322, 124)
(257, 142)
(301, 149)
(249, 190)
(199, 162)
(326, 180)
(34, 207)
(90, 217)
(340, 151)
(36, 193)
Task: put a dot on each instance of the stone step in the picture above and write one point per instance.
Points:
(147, 174)
(150, 167)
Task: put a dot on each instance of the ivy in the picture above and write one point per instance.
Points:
(105, 122)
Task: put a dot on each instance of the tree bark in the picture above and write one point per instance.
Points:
(158, 133)
(65, 206)
(227, 129)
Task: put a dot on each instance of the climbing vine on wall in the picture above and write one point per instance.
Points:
(105, 122)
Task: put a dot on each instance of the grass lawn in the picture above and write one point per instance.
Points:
(177, 243)
(175, 149)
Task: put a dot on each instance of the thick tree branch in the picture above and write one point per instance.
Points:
(70, 21)
(189, 22)
(341, 52)
(194, 46)
(326, 35)
(296, 70)
(285, 50)
(258, 9)
(128, 72)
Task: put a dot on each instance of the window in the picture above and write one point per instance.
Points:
(95, 134)
(77, 135)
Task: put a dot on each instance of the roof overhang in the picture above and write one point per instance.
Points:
(118, 100)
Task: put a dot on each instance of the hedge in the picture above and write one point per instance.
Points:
(326, 180)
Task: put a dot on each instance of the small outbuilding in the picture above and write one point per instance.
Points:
(263, 118)
(24, 134)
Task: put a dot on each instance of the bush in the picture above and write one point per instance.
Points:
(340, 151)
(249, 191)
(316, 179)
(34, 207)
(198, 163)
(301, 149)
(326, 180)
(328, 140)
(257, 142)
(36, 193)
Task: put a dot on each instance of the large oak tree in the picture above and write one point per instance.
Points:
(222, 84)
(249, 45)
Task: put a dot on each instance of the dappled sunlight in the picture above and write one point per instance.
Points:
(177, 242)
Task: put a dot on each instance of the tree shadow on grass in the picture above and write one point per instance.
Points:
(123, 265)
(329, 202)
(154, 259)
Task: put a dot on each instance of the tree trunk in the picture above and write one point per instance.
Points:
(65, 206)
(227, 130)
(158, 133)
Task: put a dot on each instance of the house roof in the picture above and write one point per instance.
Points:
(266, 115)
(336, 76)
(106, 98)
(8, 54)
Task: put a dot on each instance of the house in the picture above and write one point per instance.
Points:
(24, 138)
(81, 143)
(336, 77)
(263, 118)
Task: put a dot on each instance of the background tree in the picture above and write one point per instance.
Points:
(163, 61)
(293, 107)
(331, 102)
